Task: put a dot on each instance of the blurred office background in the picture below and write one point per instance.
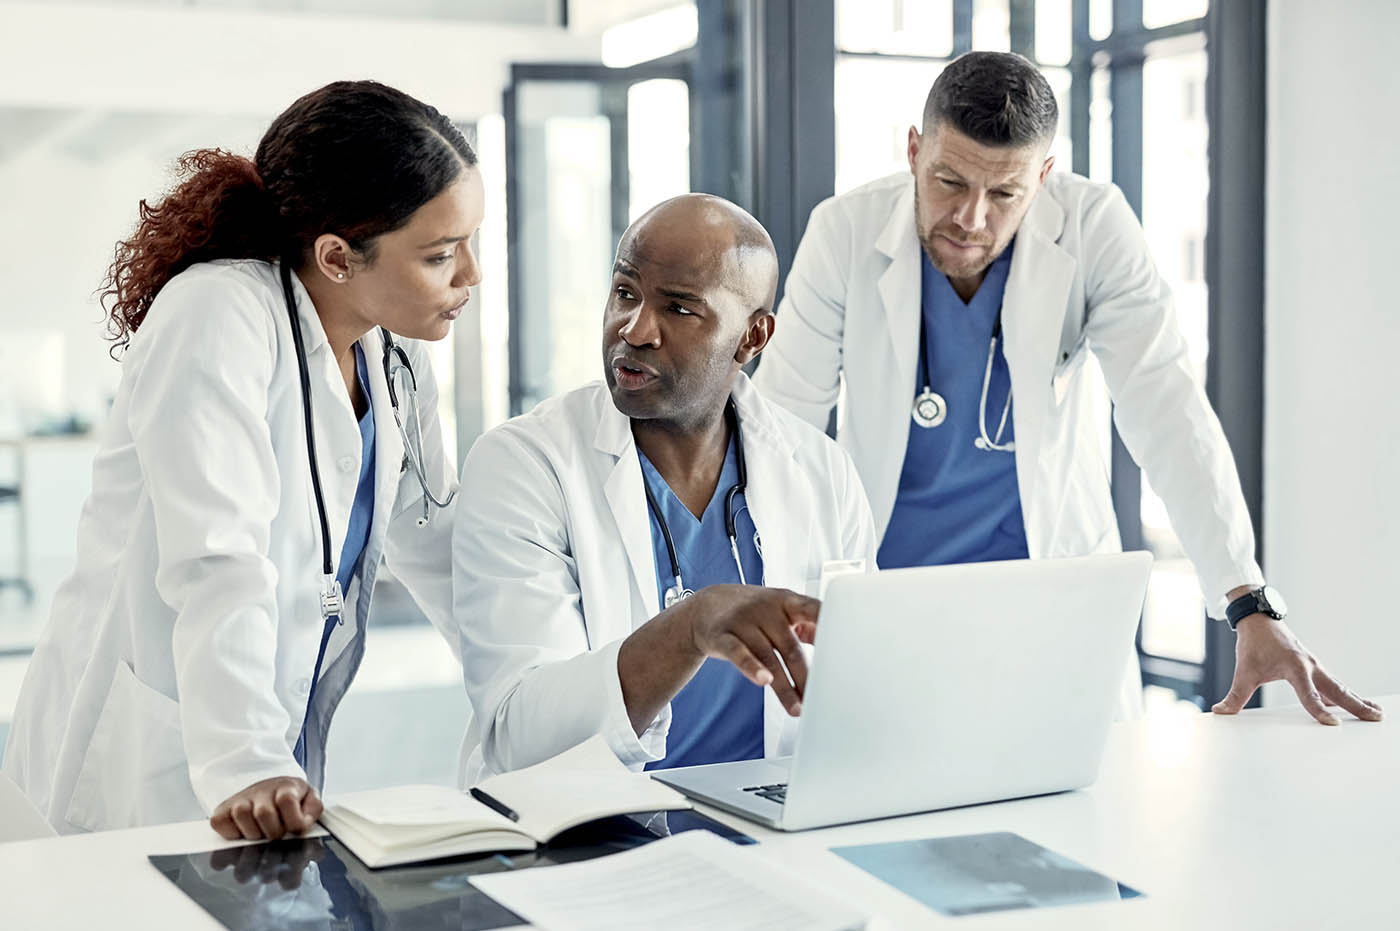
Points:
(1250, 136)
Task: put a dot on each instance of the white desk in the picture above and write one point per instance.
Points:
(1267, 820)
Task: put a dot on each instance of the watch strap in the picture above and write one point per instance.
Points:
(1245, 605)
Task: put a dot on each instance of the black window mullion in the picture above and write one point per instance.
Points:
(1236, 85)
(1081, 92)
(962, 27)
(1022, 27)
(1125, 92)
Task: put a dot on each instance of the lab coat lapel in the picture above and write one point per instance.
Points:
(783, 523)
(627, 500)
(899, 289)
(1033, 310)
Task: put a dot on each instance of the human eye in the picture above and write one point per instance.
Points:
(439, 259)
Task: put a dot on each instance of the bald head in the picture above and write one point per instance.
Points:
(711, 239)
(691, 303)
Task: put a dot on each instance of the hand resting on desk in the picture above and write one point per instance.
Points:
(271, 808)
(1267, 651)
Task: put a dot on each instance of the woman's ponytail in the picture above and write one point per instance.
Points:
(218, 210)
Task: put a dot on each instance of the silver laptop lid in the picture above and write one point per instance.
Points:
(952, 685)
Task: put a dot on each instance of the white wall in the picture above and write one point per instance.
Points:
(96, 101)
(245, 61)
(1332, 414)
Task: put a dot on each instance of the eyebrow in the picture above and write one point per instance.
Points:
(444, 241)
(682, 296)
(622, 268)
(1007, 184)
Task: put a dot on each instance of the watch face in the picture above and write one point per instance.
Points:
(1275, 601)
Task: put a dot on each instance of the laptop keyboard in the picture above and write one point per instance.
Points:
(774, 793)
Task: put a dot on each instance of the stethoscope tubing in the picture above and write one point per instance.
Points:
(304, 376)
(730, 517)
(332, 599)
(983, 441)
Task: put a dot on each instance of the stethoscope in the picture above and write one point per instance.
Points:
(396, 365)
(930, 409)
(677, 591)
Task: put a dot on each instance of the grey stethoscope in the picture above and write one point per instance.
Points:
(677, 591)
(930, 409)
(396, 367)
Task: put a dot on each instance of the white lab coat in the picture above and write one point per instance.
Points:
(1082, 280)
(175, 668)
(553, 566)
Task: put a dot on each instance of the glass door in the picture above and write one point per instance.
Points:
(588, 149)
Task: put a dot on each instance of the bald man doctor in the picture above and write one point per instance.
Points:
(638, 556)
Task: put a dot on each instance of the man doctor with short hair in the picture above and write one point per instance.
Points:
(594, 518)
(956, 305)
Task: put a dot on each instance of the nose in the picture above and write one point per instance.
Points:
(971, 211)
(639, 326)
(468, 272)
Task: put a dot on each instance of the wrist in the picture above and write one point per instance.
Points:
(1254, 621)
(682, 620)
(1238, 591)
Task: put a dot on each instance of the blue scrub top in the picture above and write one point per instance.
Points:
(356, 534)
(718, 716)
(957, 503)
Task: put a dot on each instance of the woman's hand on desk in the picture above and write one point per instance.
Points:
(1267, 651)
(271, 808)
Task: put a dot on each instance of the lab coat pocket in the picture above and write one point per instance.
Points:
(135, 771)
(1066, 367)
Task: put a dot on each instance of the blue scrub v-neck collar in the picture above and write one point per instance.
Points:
(653, 477)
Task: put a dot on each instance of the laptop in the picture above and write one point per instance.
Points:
(943, 686)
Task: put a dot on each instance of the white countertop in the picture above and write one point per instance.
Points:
(1266, 820)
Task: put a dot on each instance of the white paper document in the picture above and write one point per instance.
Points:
(692, 880)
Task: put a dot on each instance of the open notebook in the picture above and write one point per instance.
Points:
(385, 827)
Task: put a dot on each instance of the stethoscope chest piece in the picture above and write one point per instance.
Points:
(930, 409)
(676, 594)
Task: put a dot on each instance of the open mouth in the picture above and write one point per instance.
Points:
(631, 374)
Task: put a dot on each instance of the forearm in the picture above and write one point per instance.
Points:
(656, 661)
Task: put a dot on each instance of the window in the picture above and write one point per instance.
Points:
(1150, 72)
(889, 53)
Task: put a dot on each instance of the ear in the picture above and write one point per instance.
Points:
(1045, 169)
(333, 257)
(756, 336)
(913, 149)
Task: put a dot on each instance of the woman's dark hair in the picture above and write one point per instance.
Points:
(355, 158)
(993, 98)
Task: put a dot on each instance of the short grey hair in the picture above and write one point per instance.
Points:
(993, 98)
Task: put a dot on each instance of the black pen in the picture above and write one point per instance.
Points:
(494, 804)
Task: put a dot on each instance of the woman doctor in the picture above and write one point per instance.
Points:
(253, 474)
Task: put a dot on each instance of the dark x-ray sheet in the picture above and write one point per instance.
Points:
(975, 873)
(317, 883)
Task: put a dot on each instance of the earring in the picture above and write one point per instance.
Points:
(340, 276)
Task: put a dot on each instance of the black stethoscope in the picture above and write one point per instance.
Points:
(396, 366)
(930, 409)
(677, 591)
